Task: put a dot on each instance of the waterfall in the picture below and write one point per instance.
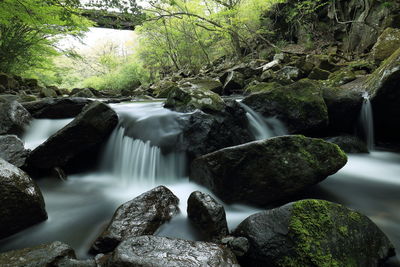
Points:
(263, 128)
(141, 148)
(367, 121)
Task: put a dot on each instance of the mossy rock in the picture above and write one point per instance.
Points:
(85, 92)
(206, 84)
(388, 42)
(300, 105)
(349, 143)
(319, 74)
(313, 233)
(341, 77)
(188, 99)
(162, 89)
(262, 87)
(263, 172)
(47, 92)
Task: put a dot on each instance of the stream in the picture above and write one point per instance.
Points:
(140, 155)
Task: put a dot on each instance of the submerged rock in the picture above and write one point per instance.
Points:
(56, 254)
(141, 216)
(207, 215)
(159, 251)
(300, 105)
(12, 150)
(22, 203)
(313, 233)
(13, 118)
(263, 172)
(76, 145)
(56, 108)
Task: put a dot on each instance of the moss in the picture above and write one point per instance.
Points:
(341, 77)
(263, 87)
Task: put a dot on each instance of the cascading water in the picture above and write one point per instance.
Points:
(367, 122)
(263, 128)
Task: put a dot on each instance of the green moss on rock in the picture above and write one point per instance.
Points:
(387, 44)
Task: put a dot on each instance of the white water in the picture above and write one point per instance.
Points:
(367, 122)
(263, 128)
(81, 206)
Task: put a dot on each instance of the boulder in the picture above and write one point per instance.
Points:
(313, 233)
(30, 82)
(13, 118)
(77, 144)
(8, 82)
(267, 171)
(204, 133)
(159, 251)
(47, 92)
(388, 42)
(21, 201)
(206, 84)
(12, 150)
(186, 99)
(233, 82)
(319, 74)
(349, 143)
(207, 215)
(141, 216)
(54, 254)
(2, 89)
(162, 88)
(56, 108)
(341, 77)
(299, 106)
(85, 92)
(383, 88)
(287, 75)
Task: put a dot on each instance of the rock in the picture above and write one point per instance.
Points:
(204, 133)
(8, 98)
(54, 254)
(349, 144)
(77, 144)
(56, 108)
(47, 92)
(21, 201)
(233, 82)
(30, 82)
(24, 97)
(85, 92)
(13, 118)
(141, 216)
(383, 87)
(207, 215)
(266, 76)
(313, 233)
(322, 62)
(12, 150)
(206, 84)
(159, 251)
(299, 106)
(319, 74)
(287, 75)
(2, 89)
(162, 88)
(239, 245)
(267, 171)
(8, 82)
(388, 42)
(189, 99)
(341, 77)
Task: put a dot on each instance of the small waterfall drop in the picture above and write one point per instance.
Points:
(367, 122)
(263, 128)
(142, 148)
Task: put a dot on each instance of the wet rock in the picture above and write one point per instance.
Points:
(56, 108)
(299, 106)
(204, 133)
(383, 87)
(141, 216)
(77, 144)
(207, 215)
(313, 233)
(12, 150)
(349, 143)
(85, 92)
(388, 42)
(13, 118)
(21, 201)
(263, 172)
(187, 99)
(159, 251)
(56, 254)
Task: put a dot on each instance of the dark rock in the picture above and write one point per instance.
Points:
(233, 82)
(47, 92)
(13, 118)
(207, 215)
(204, 133)
(30, 82)
(239, 245)
(349, 144)
(319, 74)
(141, 216)
(159, 251)
(55, 254)
(85, 92)
(56, 108)
(12, 150)
(8, 82)
(263, 172)
(383, 87)
(2, 89)
(21, 201)
(299, 106)
(313, 233)
(76, 144)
